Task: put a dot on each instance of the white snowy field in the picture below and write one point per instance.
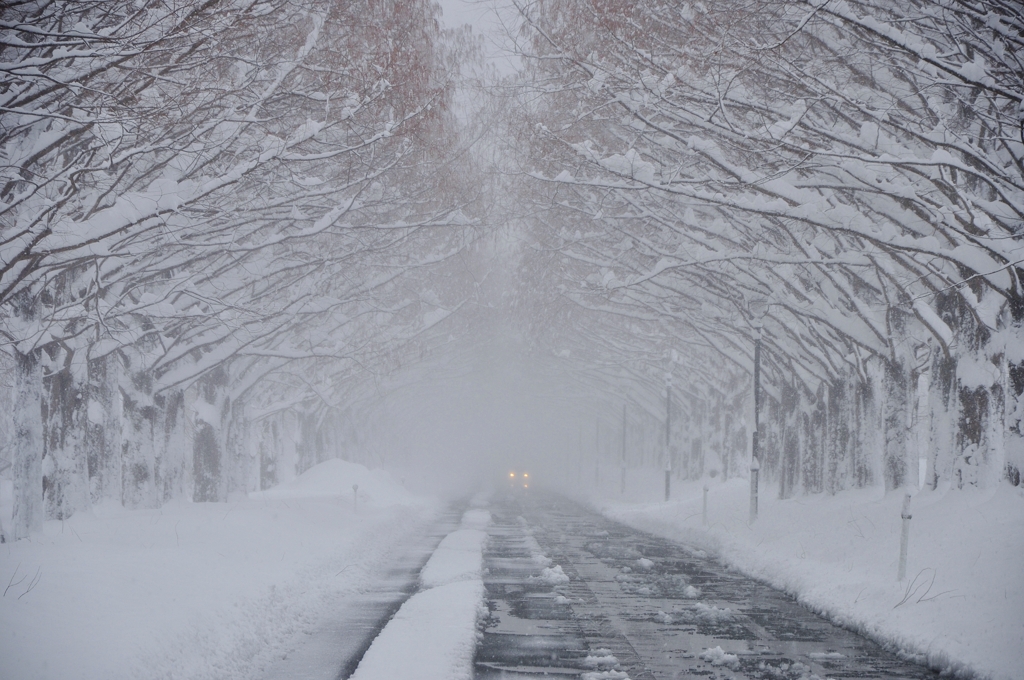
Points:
(961, 607)
(193, 591)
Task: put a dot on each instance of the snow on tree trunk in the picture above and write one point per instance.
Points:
(868, 435)
(268, 451)
(815, 437)
(922, 429)
(103, 429)
(789, 441)
(208, 464)
(979, 405)
(995, 458)
(65, 465)
(1015, 420)
(944, 407)
(175, 465)
(27, 460)
(139, 455)
(895, 419)
(837, 439)
(241, 453)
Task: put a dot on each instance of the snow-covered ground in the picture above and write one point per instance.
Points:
(191, 591)
(961, 607)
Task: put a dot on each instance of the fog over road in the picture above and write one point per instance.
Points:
(631, 604)
(284, 285)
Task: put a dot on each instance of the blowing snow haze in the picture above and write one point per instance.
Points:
(289, 290)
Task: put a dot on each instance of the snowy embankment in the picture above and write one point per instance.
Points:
(434, 634)
(961, 607)
(204, 590)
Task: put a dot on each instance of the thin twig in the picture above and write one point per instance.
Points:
(34, 582)
(913, 587)
(935, 596)
(11, 582)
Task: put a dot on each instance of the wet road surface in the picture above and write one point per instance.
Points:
(615, 603)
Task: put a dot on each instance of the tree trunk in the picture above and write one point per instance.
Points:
(138, 450)
(175, 463)
(894, 455)
(208, 446)
(27, 468)
(65, 469)
(103, 430)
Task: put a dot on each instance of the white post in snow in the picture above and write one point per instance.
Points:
(704, 512)
(904, 537)
(355, 497)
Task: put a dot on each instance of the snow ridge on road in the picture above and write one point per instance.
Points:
(434, 634)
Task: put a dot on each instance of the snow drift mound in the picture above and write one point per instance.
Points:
(336, 477)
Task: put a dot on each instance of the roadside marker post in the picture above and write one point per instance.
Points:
(904, 538)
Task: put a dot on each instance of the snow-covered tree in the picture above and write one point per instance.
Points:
(856, 165)
(198, 198)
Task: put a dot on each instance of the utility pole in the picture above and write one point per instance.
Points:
(758, 308)
(597, 453)
(668, 437)
(579, 453)
(622, 484)
(755, 459)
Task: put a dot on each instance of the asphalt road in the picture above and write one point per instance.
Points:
(642, 607)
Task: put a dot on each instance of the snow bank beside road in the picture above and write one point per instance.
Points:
(334, 478)
(190, 591)
(459, 557)
(434, 634)
(960, 608)
(432, 637)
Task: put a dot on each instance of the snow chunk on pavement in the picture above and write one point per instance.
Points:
(605, 675)
(713, 614)
(457, 558)
(717, 656)
(553, 575)
(432, 637)
(601, 658)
